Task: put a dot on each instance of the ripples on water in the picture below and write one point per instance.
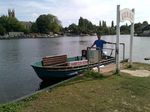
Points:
(17, 78)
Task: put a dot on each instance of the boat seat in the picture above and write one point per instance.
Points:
(54, 60)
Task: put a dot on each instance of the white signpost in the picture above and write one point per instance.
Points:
(123, 15)
(126, 14)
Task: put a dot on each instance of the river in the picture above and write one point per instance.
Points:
(17, 78)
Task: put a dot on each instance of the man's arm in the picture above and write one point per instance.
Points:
(93, 44)
(110, 43)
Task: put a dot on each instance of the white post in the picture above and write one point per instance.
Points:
(117, 40)
(131, 40)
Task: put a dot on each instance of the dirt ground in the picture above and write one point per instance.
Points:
(137, 73)
(112, 67)
(105, 69)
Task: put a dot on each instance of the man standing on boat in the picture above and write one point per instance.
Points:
(100, 43)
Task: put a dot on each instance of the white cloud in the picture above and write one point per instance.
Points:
(69, 11)
(35, 15)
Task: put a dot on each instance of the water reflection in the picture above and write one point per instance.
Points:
(45, 84)
(50, 82)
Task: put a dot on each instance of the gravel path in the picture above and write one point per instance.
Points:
(105, 69)
(137, 73)
(112, 67)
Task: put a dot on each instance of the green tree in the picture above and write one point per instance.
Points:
(138, 28)
(48, 23)
(14, 25)
(145, 23)
(82, 26)
(42, 24)
(55, 24)
(112, 24)
(100, 24)
(11, 24)
(2, 30)
(4, 22)
(86, 27)
(99, 30)
(34, 28)
(125, 29)
(104, 24)
(73, 28)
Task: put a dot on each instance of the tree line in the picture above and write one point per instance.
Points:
(86, 27)
(44, 24)
(51, 24)
(10, 24)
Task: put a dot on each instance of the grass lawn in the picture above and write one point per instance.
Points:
(91, 93)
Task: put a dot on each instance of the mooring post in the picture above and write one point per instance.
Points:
(117, 40)
(88, 58)
(99, 56)
(131, 40)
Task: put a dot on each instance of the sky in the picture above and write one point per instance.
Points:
(69, 11)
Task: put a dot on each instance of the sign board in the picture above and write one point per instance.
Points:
(126, 14)
(123, 15)
(93, 56)
(78, 63)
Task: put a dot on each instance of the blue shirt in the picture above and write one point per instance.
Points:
(100, 43)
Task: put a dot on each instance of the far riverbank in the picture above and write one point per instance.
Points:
(29, 36)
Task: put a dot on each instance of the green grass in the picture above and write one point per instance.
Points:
(18, 106)
(91, 93)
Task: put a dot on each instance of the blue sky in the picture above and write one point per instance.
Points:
(69, 11)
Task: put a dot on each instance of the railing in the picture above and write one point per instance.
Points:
(123, 44)
(97, 57)
(123, 49)
(101, 53)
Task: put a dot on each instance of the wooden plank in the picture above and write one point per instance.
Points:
(54, 60)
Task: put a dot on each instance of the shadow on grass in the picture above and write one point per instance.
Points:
(87, 76)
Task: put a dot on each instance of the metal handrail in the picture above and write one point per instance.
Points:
(97, 48)
(123, 44)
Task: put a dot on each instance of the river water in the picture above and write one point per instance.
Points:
(17, 78)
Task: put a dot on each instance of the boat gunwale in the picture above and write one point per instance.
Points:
(67, 68)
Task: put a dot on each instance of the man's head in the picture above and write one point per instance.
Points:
(98, 36)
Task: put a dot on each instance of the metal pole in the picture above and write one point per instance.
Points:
(99, 53)
(117, 40)
(131, 40)
(88, 57)
(123, 45)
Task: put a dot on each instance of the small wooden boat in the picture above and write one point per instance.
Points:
(56, 67)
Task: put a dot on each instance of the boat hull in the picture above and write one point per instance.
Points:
(63, 72)
(47, 74)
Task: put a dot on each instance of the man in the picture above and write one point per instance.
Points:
(100, 43)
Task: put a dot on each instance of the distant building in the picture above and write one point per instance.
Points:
(26, 24)
(15, 34)
(11, 13)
